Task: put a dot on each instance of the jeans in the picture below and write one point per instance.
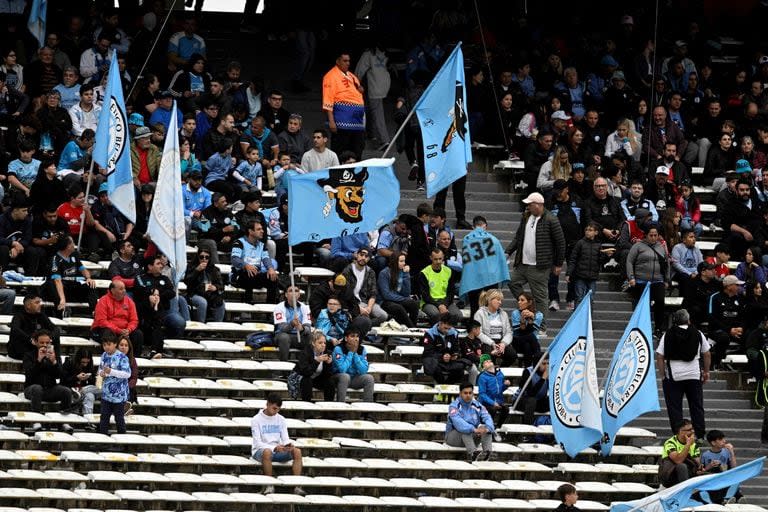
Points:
(109, 409)
(89, 394)
(180, 305)
(687, 224)
(434, 314)
(582, 286)
(286, 340)
(201, 309)
(467, 441)
(174, 325)
(537, 279)
(343, 381)
(7, 297)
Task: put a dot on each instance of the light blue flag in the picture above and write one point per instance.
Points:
(444, 125)
(630, 387)
(484, 260)
(36, 22)
(678, 496)
(112, 150)
(166, 219)
(574, 399)
(343, 200)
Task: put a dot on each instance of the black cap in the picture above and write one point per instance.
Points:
(705, 265)
(147, 188)
(159, 95)
(559, 185)
(195, 174)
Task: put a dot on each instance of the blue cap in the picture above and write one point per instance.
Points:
(103, 188)
(608, 60)
(743, 166)
(136, 119)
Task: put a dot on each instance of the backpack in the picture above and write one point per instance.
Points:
(294, 384)
(259, 339)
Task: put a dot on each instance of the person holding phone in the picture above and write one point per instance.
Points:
(80, 376)
(271, 442)
(315, 365)
(680, 456)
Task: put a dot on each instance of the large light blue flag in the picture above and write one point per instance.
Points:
(678, 496)
(36, 22)
(343, 200)
(574, 399)
(112, 150)
(444, 125)
(630, 387)
(166, 219)
(484, 260)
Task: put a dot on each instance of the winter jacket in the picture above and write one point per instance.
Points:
(648, 262)
(368, 289)
(351, 363)
(387, 293)
(306, 366)
(436, 343)
(483, 316)
(491, 388)
(466, 416)
(550, 241)
(115, 315)
(586, 260)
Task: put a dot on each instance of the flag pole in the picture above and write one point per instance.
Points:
(399, 131)
(82, 215)
(530, 377)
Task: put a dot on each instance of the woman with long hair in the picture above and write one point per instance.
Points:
(143, 97)
(190, 83)
(79, 374)
(125, 346)
(622, 138)
(751, 269)
(557, 168)
(495, 329)
(648, 262)
(395, 291)
(757, 159)
(721, 157)
(689, 206)
(47, 189)
(670, 226)
(533, 121)
(578, 152)
(526, 323)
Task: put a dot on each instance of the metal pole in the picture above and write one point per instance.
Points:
(82, 216)
(399, 131)
(525, 386)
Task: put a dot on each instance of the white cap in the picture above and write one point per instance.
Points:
(559, 114)
(662, 169)
(534, 197)
(729, 280)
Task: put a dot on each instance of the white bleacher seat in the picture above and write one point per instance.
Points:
(439, 502)
(251, 498)
(597, 487)
(381, 464)
(364, 501)
(633, 487)
(188, 403)
(173, 496)
(37, 455)
(213, 497)
(288, 499)
(135, 495)
(476, 503)
(270, 385)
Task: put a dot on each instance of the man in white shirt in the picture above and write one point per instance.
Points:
(683, 358)
(271, 442)
(319, 157)
(84, 114)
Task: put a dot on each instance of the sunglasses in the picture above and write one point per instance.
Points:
(204, 257)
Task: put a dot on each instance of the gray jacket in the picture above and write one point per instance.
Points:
(550, 241)
(484, 317)
(648, 262)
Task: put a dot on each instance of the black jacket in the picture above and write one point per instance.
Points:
(550, 242)
(306, 365)
(44, 373)
(586, 260)
(319, 299)
(23, 325)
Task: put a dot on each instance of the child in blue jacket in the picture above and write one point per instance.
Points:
(491, 385)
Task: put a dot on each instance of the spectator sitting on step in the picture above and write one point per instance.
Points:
(437, 285)
(471, 348)
(293, 325)
(495, 331)
(27, 321)
(79, 374)
(223, 230)
(350, 367)
(720, 457)
(568, 497)
(251, 265)
(333, 321)
(116, 312)
(153, 293)
(680, 456)
(271, 442)
(337, 287)
(47, 228)
(441, 358)
(315, 365)
(526, 324)
(362, 280)
(394, 287)
(126, 267)
(392, 238)
(205, 288)
(344, 248)
(726, 318)
(68, 279)
(535, 396)
(700, 289)
(492, 384)
(42, 372)
(468, 422)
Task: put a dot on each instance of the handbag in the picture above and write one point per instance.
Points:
(294, 384)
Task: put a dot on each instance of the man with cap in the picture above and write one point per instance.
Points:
(597, 83)
(700, 289)
(679, 53)
(337, 287)
(538, 249)
(145, 157)
(16, 233)
(442, 356)
(662, 192)
(572, 93)
(568, 210)
(741, 218)
(162, 113)
(683, 358)
(726, 318)
(620, 99)
(558, 127)
(109, 227)
(362, 280)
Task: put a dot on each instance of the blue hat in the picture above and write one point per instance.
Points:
(742, 166)
(136, 119)
(608, 60)
(103, 188)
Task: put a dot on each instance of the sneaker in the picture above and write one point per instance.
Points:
(298, 491)
(554, 306)
(66, 427)
(486, 455)
(270, 489)
(571, 305)
(463, 224)
(625, 286)
(476, 455)
(76, 397)
(497, 437)
(36, 427)
(414, 172)
(542, 333)
(127, 407)
(129, 412)
(420, 186)
(612, 263)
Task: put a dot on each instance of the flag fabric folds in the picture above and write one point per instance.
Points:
(166, 226)
(343, 200)
(444, 122)
(484, 261)
(112, 149)
(573, 394)
(630, 386)
(678, 496)
(37, 20)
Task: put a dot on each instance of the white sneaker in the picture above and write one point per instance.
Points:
(612, 263)
(299, 491)
(37, 426)
(270, 489)
(554, 306)
(397, 326)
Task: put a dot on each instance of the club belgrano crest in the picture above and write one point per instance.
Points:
(569, 383)
(628, 375)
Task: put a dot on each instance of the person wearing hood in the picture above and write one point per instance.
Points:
(648, 262)
(491, 384)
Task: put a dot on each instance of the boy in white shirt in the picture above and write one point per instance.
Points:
(271, 442)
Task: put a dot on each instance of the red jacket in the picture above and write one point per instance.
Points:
(115, 315)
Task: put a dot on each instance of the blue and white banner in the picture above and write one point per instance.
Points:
(166, 226)
(36, 22)
(573, 394)
(112, 150)
(630, 386)
(442, 114)
(343, 200)
(484, 261)
(678, 496)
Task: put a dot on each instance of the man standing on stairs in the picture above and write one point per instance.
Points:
(683, 357)
(459, 188)
(539, 250)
